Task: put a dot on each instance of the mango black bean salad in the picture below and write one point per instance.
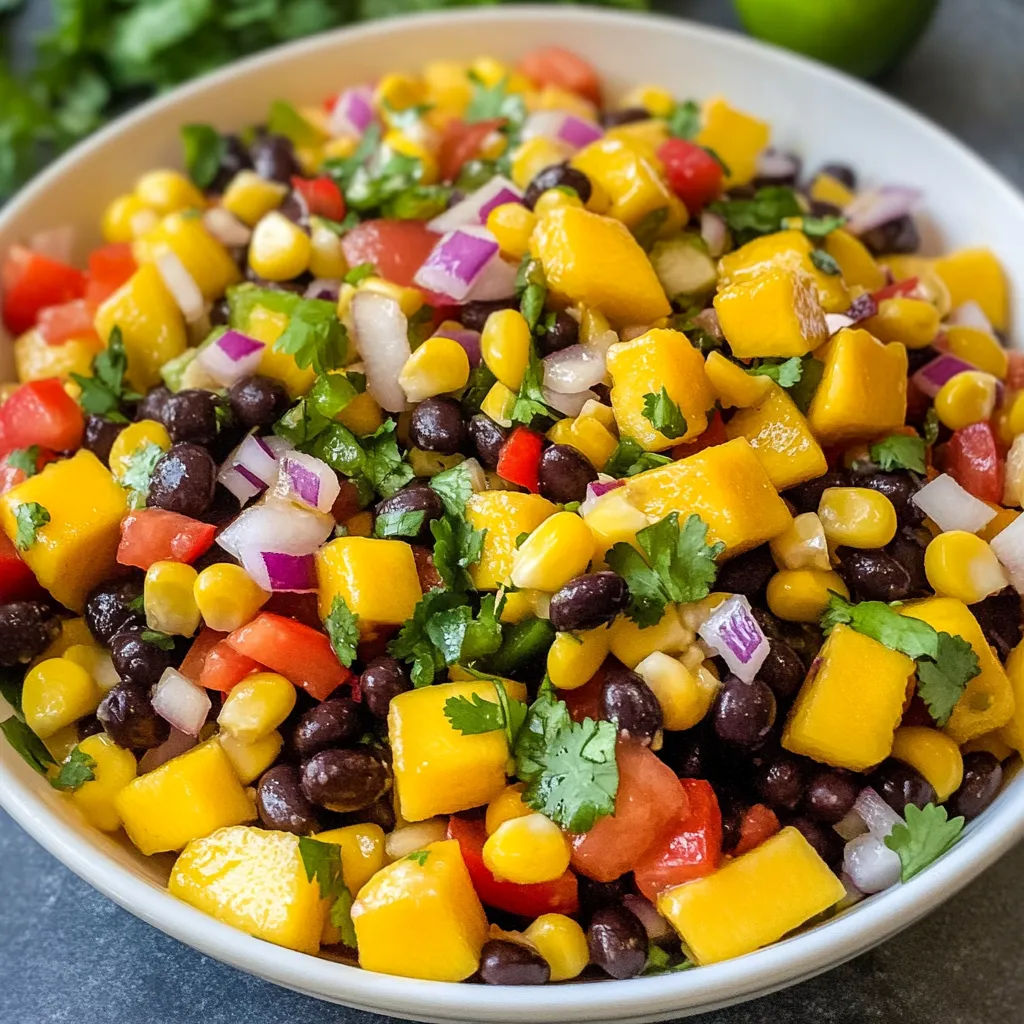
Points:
(489, 530)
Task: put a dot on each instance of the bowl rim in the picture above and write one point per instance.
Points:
(786, 962)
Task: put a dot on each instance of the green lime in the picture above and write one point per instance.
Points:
(864, 37)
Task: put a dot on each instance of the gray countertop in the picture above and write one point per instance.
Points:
(69, 954)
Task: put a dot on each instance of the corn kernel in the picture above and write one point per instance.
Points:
(250, 197)
(256, 706)
(512, 224)
(403, 144)
(554, 199)
(959, 564)
(167, 191)
(56, 693)
(227, 597)
(508, 804)
(592, 438)
(131, 439)
(97, 662)
(527, 850)
(489, 70)
(498, 404)
(801, 545)
(631, 644)
(656, 101)
(562, 942)
(168, 597)
(857, 517)
(398, 92)
(438, 366)
(119, 216)
(1012, 420)
(410, 300)
(980, 349)
(505, 346)
(279, 249)
(113, 768)
(802, 595)
(574, 658)
(913, 322)
(325, 256)
(557, 550)
(933, 754)
(530, 158)
(685, 697)
(251, 760)
(969, 397)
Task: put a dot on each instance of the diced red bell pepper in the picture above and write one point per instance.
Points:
(896, 289)
(191, 668)
(17, 581)
(461, 142)
(973, 459)
(43, 413)
(559, 896)
(692, 172)
(519, 461)
(31, 282)
(109, 267)
(73, 319)
(713, 434)
(322, 196)
(396, 248)
(299, 653)
(11, 476)
(157, 535)
(649, 798)
(553, 65)
(224, 668)
(689, 848)
(759, 823)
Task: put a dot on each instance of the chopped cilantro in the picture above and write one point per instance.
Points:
(494, 101)
(285, 120)
(899, 451)
(360, 273)
(532, 289)
(398, 523)
(660, 961)
(30, 517)
(420, 326)
(762, 215)
(802, 392)
(457, 546)
(454, 487)
(419, 857)
(785, 372)
(136, 476)
(646, 230)
(104, 392)
(75, 771)
(664, 415)
(25, 459)
(344, 169)
(371, 189)
(204, 149)
(27, 744)
(926, 836)
(137, 604)
(521, 539)
(413, 645)
(339, 227)
(628, 458)
(158, 639)
(418, 202)
(931, 426)
(462, 638)
(481, 380)
(313, 414)
(819, 227)
(10, 688)
(530, 402)
(343, 629)
(374, 462)
(684, 121)
(322, 862)
(825, 262)
(314, 336)
(475, 715)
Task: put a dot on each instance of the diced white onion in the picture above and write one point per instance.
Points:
(574, 369)
(269, 527)
(970, 314)
(563, 127)
(871, 865)
(879, 817)
(1008, 546)
(733, 633)
(179, 701)
(410, 838)
(950, 507)
(382, 337)
(837, 321)
(182, 286)
(715, 233)
(568, 405)
(226, 227)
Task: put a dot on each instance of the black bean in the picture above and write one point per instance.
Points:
(589, 601)
(594, 895)
(630, 703)
(557, 176)
(344, 780)
(748, 573)
(873, 575)
(27, 628)
(898, 785)
(273, 157)
(564, 474)
(733, 808)
(152, 405)
(842, 173)
(191, 415)
(628, 115)
(487, 438)
(512, 963)
(296, 209)
(819, 208)
(983, 775)
(780, 783)
(473, 315)
(281, 803)
(744, 713)
(1001, 618)
(563, 332)
(830, 796)
(88, 726)
(183, 480)
(907, 547)
(234, 157)
(896, 236)
(138, 661)
(382, 680)
(783, 670)
(100, 434)
(258, 401)
(692, 753)
(617, 941)
(220, 314)
(436, 425)
(825, 841)
(108, 611)
(899, 488)
(807, 496)
(127, 716)
(916, 358)
(414, 498)
(332, 723)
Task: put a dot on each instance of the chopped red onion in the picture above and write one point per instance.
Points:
(879, 206)
(707, 320)
(1008, 546)
(226, 227)
(280, 571)
(657, 927)
(935, 373)
(250, 469)
(950, 507)
(179, 701)
(879, 817)
(381, 330)
(54, 243)
(850, 826)
(836, 322)
(353, 111)
(567, 405)
(970, 314)
(574, 369)
(182, 286)
(774, 165)
(862, 307)
(598, 489)
(275, 446)
(323, 288)
(272, 527)
(176, 743)
(732, 632)
(715, 233)
(305, 479)
(871, 865)
(230, 357)
(469, 340)
(473, 210)
(561, 126)
(456, 263)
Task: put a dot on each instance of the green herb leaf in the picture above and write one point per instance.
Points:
(899, 451)
(344, 170)
(457, 546)
(475, 715)
(413, 645)
(360, 273)
(27, 744)
(481, 380)
(137, 604)
(419, 857)
(819, 227)
(785, 372)
(926, 836)
(762, 215)
(158, 639)
(285, 120)
(398, 523)
(339, 227)
(11, 681)
(135, 479)
(30, 517)
(664, 415)
(376, 188)
(684, 121)
(532, 289)
(341, 918)
(105, 391)
(660, 961)
(454, 487)
(314, 336)
(343, 629)
(25, 459)
(530, 404)
(931, 426)
(312, 415)
(204, 149)
(322, 863)
(494, 101)
(629, 458)
(418, 202)
(385, 466)
(802, 392)
(75, 772)
(825, 262)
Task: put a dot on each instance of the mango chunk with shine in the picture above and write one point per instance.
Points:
(268, 325)
(1013, 732)
(376, 578)
(504, 515)
(420, 917)
(753, 900)
(439, 770)
(594, 260)
(856, 263)
(36, 359)
(253, 880)
(76, 549)
(186, 798)
(976, 274)
(726, 485)
(732, 385)
(736, 137)
(847, 710)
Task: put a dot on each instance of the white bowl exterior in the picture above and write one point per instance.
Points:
(818, 113)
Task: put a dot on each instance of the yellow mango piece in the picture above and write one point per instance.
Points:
(736, 137)
(115, 768)
(659, 359)
(774, 314)
(732, 385)
(781, 439)
(1013, 732)
(186, 798)
(977, 274)
(725, 485)
(34, 359)
(439, 770)
(76, 549)
(590, 436)
(753, 900)
(151, 325)
(977, 347)
(863, 389)
(595, 260)
(846, 712)
(362, 852)
(504, 515)
(253, 880)
(858, 266)
(987, 703)
(826, 189)
(267, 326)
(646, 137)
(376, 578)
(420, 917)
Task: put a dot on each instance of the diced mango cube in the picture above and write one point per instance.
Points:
(36, 359)
(977, 274)
(76, 549)
(614, 518)
(376, 578)
(732, 385)
(504, 515)
(267, 325)
(847, 711)
(827, 189)
(362, 851)
(736, 137)
(857, 265)
(114, 768)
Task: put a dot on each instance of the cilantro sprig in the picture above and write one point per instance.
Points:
(311, 415)
(457, 543)
(204, 149)
(75, 772)
(322, 862)
(664, 414)
(475, 715)
(105, 392)
(157, 638)
(899, 451)
(27, 744)
(629, 458)
(25, 459)
(762, 215)
(825, 262)
(138, 473)
(342, 627)
(374, 463)
(531, 289)
(785, 372)
(30, 517)
(928, 833)
(399, 523)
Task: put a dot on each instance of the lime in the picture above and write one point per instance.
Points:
(864, 37)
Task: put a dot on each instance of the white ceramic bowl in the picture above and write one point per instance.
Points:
(822, 115)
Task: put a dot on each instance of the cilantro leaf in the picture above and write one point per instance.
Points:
(825, 262)
(204, 149)
(30, 517)
(105, 391)
(339, 227)
(481, 380)
(926, 836)
(461, 637)
(376, 185)
(27, 744)
(819, 227)
(75, 771)
(398, 523)
(664, 415)
(360, 273)
(629, 458)
(476, 715)
(341, 918)
(25, 459)
(454, 487)
(412, 643)
(314, 337)
(660, 961)
(942, 682)
(285, 120)
(157, 638)
(135, 478)
(345, 169)
(899, 451)
(418, 202)
(811, 371)
(785, 372)
(419, 857)
(530, 402)
(457, 546)
(322, 862)
(494, 101)
(931, 426)
(343, 629)
(10, 689)
(312, 415)
(762, 215)
(684, 121)
(385, 466)
(532, 289)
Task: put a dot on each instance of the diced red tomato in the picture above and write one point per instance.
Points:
(191, 668)
(43, 413)
(585, 700)
(347, 503)
(559, 896)
(649, 798)
(891, 291)
(974, 461)
(553, 65)
(17, 581)
(224, 668)
(397, 248)
(714, 434)
(759, 823)
(11, 476)
(157, 535)
(109, 267)
(689, 848)
(73, 319)
(519, 461)
(692, 172)
(461, 142)
(30, 282)
(322, 195)
(299, 653)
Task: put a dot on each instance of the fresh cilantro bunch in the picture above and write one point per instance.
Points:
(664, 414)
(105, 392)
(322, 861)
(748, 219)
(629, 458)
(899, 451)
(311, 415)
(926, 836)
(374, 463)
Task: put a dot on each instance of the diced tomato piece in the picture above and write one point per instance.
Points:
(225, 668)
(30, 282)
(974, 461)
(553, 65)
(322, 195)
(714, 434)
(109, 267)
(299, 653)
(585, 700)
(17, 580)
(759, 823)
(191, 668)
(559, 896)
(157, 535)
(461, 142)
(73, 319)
(11, 476)
(396, 248)
(692, 172)
(649, 798)
(689, 848)
(897, 288)
(43, 413)
(519, 460)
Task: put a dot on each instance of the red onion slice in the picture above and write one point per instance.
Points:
(561, 126)
(574, 369)
(496, 281)
(305, 479)
(456, 262)
(950, 507)
(715, 233)
(182, 286)
(326, 288)
(353, 111)
(381, 330)
(230, 357)
(473, 210)
(879, 817)
(879, 206)
(862, 307)
(657, 927)
(774, 165)
(732, 632)
(598, 489)
(179, 701)
(280, 571)
(870, 864)
(935, 373)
